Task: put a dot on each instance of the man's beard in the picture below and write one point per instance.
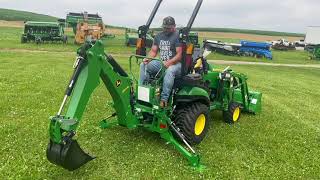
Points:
(168, 33)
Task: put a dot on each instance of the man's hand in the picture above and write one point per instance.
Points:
(146, 60)
(167, 64)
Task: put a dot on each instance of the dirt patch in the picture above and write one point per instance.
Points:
(251, 37)
(11, 23)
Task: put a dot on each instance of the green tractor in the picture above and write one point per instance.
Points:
(43, 31)
(184, 122)
(315, 53)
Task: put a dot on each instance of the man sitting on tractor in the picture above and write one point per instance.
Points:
(167, 43)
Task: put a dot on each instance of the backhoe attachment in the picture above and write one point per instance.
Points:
(91, 66)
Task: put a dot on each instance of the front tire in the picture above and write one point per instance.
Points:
(233, 114)
(193, 122)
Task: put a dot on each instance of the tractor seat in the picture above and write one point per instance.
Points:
(189, 80)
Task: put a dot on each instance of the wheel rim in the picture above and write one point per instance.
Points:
(200, 124)
(236, 114)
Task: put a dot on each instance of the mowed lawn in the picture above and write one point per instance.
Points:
(281, 142)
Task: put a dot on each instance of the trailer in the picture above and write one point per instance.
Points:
(256, 49)
(245, 48)
(223, 47)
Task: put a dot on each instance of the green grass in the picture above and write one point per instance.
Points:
(17, 15)
(282, 142)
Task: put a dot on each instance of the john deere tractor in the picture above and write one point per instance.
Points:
(183, 123)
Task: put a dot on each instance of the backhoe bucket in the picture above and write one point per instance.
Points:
(70, 156)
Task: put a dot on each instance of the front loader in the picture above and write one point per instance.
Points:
(183, 123)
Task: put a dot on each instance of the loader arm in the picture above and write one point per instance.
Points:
(95, 65)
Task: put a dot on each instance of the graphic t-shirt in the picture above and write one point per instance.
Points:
(167, 45)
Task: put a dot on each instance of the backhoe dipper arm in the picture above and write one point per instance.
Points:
(143, 30)
(62, 149)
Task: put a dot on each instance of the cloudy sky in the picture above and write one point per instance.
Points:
(279, 15)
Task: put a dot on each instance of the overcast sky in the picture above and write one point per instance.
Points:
(278, 15)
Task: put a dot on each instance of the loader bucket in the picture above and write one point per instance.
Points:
(70, 156)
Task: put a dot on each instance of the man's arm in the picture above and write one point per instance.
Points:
(177, 58)
(152, 53)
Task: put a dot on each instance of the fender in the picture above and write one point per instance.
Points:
(189, 94)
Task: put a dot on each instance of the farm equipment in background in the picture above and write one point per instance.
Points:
(245, 48)
(40, 32)
(255, 49)
(315, 52)
(86, 31)
(283, 45)
(74, 18)
(87, 27)
(301, 43)
(184, 122)
(194, 38)
(312, 41)
(132, 36)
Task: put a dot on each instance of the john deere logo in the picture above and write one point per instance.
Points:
(118, 82)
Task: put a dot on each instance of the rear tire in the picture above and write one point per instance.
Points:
(233, 114)
(193, 121)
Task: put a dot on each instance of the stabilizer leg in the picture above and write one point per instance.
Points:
(193, 158)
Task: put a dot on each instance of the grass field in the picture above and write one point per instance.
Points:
(282, 142)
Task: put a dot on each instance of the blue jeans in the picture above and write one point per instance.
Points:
(152, 68)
